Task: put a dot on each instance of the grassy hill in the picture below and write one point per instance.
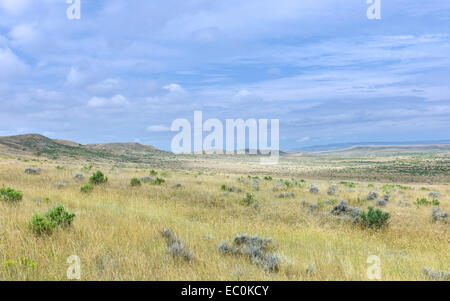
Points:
(38, 145)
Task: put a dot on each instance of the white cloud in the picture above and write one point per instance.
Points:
(158, 128)
(14, 6)
(75, 77)
(304, 139)
(174, 88)
(23, 33)
(103, 102)
(10, 64)
(106, 86)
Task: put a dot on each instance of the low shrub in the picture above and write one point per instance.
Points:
(86, 188)
(153, 172)
(348, 184)
(55, 217)
(11, 195)
(257, 250)
(426, 202)
(98, 178)
(158, 181)
(176, 247)
(374, 218)
(135, 182)
(249, 199)
(268, 178)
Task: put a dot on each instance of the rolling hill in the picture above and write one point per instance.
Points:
(35, 144)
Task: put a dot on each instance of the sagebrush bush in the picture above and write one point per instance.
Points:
(98, 178)
(53, 218)
(176, 247)
(255, 248)
(86, 188)
(374, 218)
(135, 182)
(10, 195)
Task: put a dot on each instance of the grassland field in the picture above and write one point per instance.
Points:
(117, 229)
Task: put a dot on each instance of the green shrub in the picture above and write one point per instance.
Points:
(55, 217)
(426, 202)
(86, 188)
(249, 199)
(135, 182)
(223, 187)
(40, 225)
(158, 181)
(153, 172)
(98, 178)
(348, 184)
(268, 178)
(374, 219)
(11, 195)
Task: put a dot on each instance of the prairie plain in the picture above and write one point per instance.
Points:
(208, 201)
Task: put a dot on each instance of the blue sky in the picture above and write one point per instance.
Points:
(127, 69)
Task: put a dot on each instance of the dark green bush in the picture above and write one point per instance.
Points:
(98, 178)
(374, 218)
(223, 187)
(268, 178)
(55, 217)
(153, 172)
(11, 195)
(135, 182)
(86, 188)
(158, 181)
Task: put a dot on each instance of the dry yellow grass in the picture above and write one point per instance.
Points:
(116, 232)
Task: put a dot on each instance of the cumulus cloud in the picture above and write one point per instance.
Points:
(14, 6)
(106, 86)
(23, 33)
(112, 102)
(10, 64)
(158, 128)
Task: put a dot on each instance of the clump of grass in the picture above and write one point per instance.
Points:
(55, 217)
(257, 249)
(374, 218)
(175, 247)
(135, 182)
(86, 188)
(98, 178)
(10, 194)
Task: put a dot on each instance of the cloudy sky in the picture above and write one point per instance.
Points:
(127, 69)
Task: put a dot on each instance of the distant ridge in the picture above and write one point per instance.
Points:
(36, 144)
(342, 146)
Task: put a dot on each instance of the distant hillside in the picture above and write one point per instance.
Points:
(366, 149)
(35, 144)
(342, 146)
